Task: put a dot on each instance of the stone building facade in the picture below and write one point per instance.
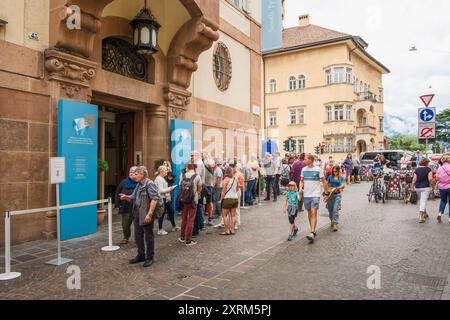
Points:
(42, 61)
(324, 88)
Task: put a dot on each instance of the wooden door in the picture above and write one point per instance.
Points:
(125, 144)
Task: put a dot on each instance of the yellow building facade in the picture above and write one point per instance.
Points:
(323, 88)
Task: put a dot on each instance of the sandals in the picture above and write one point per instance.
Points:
(225, 234)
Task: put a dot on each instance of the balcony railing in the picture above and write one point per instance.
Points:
(366, 130)
(367, 96)
(340, 149)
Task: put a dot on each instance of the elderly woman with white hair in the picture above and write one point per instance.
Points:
(165, 193)
(126, 187)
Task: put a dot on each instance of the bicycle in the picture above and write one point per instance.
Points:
(378, 188)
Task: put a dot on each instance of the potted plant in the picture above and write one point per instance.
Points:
(103, 167)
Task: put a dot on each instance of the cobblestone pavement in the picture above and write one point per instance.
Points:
(257, 263)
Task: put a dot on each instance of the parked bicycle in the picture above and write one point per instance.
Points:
(378, 188)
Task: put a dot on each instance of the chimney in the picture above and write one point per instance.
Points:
(303, 21)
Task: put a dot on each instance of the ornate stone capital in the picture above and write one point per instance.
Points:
(177, 97)
(69, 69)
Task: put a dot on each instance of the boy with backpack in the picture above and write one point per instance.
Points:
(190, 189)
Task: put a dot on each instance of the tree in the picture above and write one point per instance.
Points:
(406, 142)
(443, 126)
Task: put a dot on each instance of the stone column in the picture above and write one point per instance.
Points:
(157, 137)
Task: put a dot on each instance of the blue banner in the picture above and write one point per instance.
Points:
(272, 25)
(182, 144)
(268, 146)
(78, 143)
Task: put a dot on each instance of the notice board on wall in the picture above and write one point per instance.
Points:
(78, 144)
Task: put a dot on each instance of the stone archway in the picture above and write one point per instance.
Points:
(70, 61)
(361, 146)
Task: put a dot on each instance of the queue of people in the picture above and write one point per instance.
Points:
(211, 188)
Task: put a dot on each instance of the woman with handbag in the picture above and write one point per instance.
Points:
(443, 177)
(422, 182)
(230, 201)
(165, 192)
(333, 198)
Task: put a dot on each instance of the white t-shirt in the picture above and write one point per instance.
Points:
(312, 178)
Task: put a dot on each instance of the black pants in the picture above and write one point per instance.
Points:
(168, 210)
(145, 249)
(270, 183)
(198, 222)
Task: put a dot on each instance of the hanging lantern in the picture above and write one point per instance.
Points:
(145, 29)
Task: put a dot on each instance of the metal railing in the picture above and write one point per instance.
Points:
(9, 275)
(366, 95)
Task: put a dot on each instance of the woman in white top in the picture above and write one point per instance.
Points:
(164, 191)
(230, 201)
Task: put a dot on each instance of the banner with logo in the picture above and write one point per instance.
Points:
(182, 144)
(272, 25)
(78, 143)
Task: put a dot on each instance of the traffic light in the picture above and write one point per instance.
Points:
(322, 148)
(286, 145)
(318, 149)
(291, 145)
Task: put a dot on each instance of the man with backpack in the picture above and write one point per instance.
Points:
(190, 189)
(145, 199)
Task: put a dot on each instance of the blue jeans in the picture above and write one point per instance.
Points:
(217, 205)
(249, 192)
(445, 199)
(333, 206)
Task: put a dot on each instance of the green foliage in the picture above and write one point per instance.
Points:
(406, 142)
(103, 165)
(443, 126)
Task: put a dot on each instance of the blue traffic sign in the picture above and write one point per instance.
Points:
(427, 115)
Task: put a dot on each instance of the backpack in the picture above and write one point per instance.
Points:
(187, 194)
(144, 205)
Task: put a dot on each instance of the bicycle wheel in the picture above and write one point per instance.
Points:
(371, 192)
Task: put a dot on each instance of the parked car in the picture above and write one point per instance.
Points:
(394, 156)
(435, 157)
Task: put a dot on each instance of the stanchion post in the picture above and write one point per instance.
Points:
(58, 261)
(8, 275)
(110, 246)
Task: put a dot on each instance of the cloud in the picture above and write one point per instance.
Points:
(391, 28)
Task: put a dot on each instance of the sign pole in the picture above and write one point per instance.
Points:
(59, 261)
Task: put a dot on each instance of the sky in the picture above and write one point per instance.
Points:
(391, 27)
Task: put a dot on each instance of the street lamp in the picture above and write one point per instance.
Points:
(145, 29)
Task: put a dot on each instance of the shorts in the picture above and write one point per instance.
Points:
(311, 203)
(207, 194)
(356, 171)
(292, 213)
(230, 204)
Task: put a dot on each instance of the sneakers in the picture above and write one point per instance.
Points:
(236, 227)
(290, 238)
(311, 237)
(219, 226)
(190, 243)
(181, 240)
(295, 232)
(175, 229)
(162, 232)
(211, 223)
(334, 227)
(124, 241)
(439, 218)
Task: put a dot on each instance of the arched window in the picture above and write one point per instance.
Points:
(301, 82)
(273, 86)
(292, 83)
